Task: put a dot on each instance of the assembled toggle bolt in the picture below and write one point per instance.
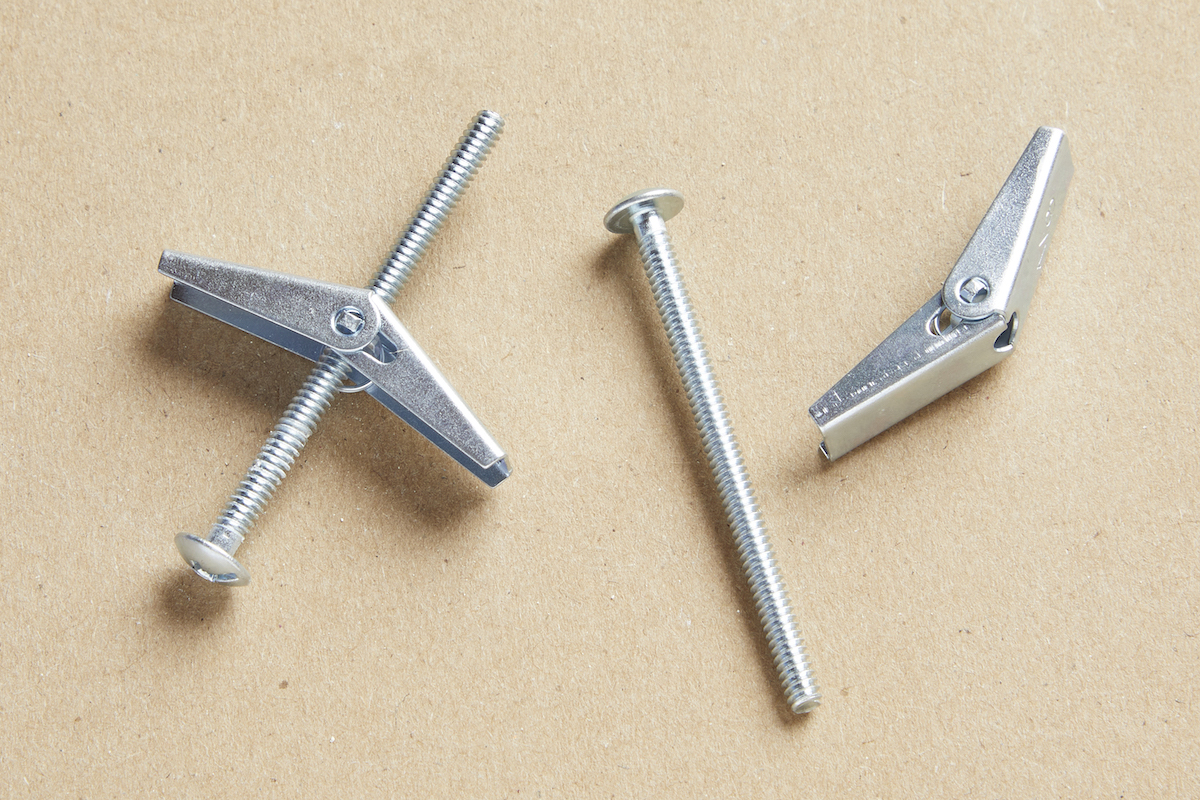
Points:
(358, 344)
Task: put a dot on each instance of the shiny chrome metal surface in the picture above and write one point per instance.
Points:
(212, 557)
(312, 317)
(973, 322)
(642, 214)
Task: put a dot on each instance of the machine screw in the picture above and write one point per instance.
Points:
(212, 557)
(644, 214)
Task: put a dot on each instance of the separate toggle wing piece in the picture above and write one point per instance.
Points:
(307, 316)
(973, 322)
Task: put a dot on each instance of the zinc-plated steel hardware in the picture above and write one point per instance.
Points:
(644, 214)
(352, 335)
(972, 323)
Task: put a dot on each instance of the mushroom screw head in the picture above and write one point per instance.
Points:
(667, 202)
(211, 562)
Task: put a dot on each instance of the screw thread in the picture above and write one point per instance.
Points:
(292, 430)
(725, 458)
(277, 455)
(462, 165)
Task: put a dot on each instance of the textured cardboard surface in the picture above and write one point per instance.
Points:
(1000, 595)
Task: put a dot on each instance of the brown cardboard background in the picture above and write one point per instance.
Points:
(999, 594)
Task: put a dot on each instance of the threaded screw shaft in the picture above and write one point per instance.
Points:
(644, 214)
(292, 430)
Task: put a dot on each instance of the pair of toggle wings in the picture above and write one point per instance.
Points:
(307, 317)
(973, 322)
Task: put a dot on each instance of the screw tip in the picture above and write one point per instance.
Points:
(211, 562)
(667, 202)
(806, 704)
(490, 117)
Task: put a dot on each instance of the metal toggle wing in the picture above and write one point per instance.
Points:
(973, 322)
(307, 316)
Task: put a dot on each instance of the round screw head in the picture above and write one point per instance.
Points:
(211, 562)
(974, 290)
(348, 321)
(667, 202)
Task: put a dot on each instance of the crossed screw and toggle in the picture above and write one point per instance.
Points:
(643, 214)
